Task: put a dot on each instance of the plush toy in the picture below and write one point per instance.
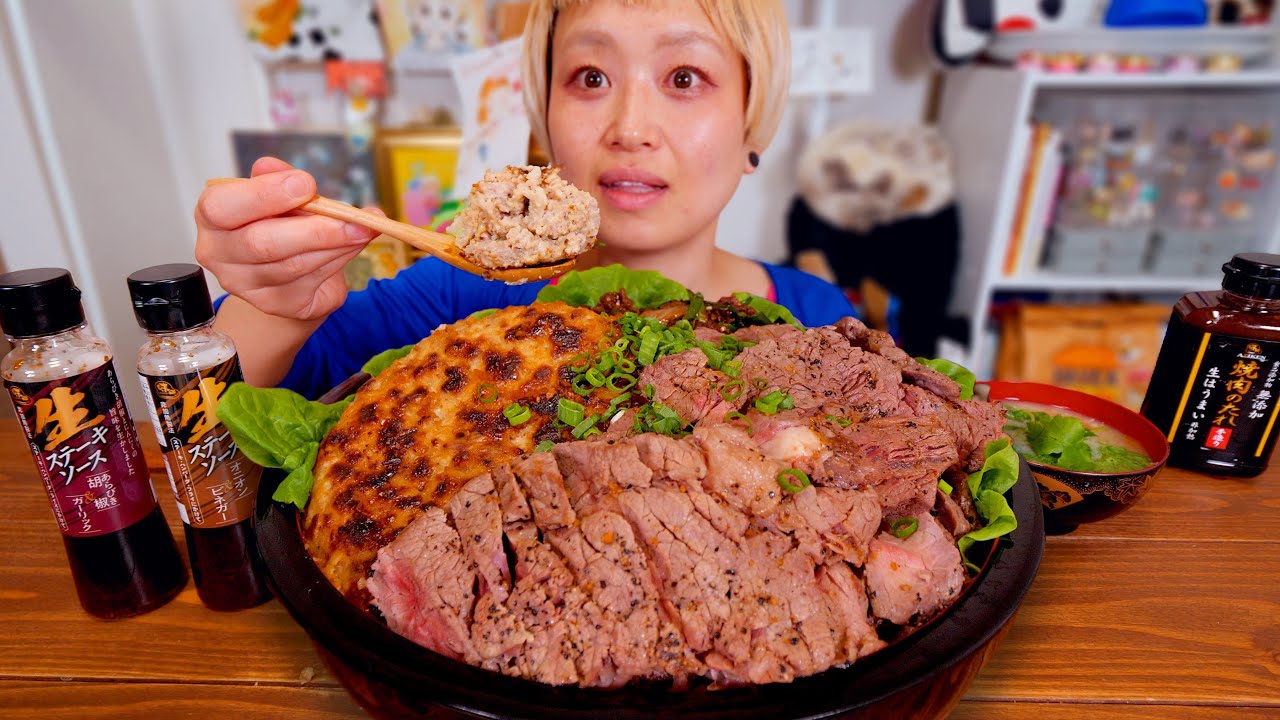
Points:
(876, 216)
(962, 29)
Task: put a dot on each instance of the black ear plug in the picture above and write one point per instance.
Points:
(753, 157)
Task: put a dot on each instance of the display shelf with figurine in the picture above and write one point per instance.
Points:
(1154, 182)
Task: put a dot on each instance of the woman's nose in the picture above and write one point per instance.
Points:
(632, 125)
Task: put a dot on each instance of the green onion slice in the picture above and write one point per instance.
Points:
(647, 391)
(903, 527)
(801, 481)
(618, 382)
(487, 393)
(569, 412)
(760, 383)
(581, 428)
(842, 422)
(581, 385)
(544, 446)
(945, 487)
(732, 390)
(515, 413)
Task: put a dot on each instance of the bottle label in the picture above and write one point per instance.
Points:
(1217, 398)
(213, 482)
(86, 450)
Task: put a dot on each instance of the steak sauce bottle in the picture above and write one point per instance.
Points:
(1215, 385)
(185, 367)
(63, 385)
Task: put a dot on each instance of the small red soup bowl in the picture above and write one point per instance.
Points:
(1071, 497)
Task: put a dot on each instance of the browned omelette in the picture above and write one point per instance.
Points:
(422, 428)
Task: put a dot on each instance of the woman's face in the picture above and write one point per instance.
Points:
(647, 112)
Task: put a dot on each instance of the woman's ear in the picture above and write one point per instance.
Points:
(753, 162)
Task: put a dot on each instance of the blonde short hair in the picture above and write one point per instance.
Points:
(757, 29)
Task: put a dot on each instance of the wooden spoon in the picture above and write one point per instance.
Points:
(428, 241)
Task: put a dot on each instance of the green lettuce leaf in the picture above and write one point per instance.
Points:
(962, 375)
(279, 428)
(988, 485)
(383, 360)
(995, 511)
(770, 311)
(1063, 441)
(646, 288)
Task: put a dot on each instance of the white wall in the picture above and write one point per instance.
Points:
(754, 223)
(113, 114)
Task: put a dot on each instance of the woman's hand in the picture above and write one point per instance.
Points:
(283, 263)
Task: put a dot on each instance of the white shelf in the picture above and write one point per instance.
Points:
(1122, 283)
(1154, 81)
(983, 114)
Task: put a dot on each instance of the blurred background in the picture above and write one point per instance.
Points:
(979, 175)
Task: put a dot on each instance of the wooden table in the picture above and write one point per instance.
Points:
(1171, 610)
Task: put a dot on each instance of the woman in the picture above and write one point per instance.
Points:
(656, 108)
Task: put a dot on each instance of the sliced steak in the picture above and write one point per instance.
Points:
(916, 576)
(737, 471)
(594, 472)
(901, 458)
(540, 477)
(684, 383)
(762, 333)
(881, 343)
(818, 368)
(422, 584)
(669, 458)
(971, 423)
(478, 518)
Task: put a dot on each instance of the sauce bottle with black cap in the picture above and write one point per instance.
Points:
(1216, 383)
(64, 387)
(185, 367)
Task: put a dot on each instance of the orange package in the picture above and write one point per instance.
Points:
(1107, 350)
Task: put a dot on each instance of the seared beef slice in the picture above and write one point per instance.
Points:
(598, 563)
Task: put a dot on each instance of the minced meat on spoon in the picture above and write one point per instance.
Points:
(522, 216)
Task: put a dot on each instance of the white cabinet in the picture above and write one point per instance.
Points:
(983, 113)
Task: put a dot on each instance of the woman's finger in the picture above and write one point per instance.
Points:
(274, 239)
(231, 205)
(267, 164)
(296, 269)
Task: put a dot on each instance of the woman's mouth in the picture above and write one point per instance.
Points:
(631, 189)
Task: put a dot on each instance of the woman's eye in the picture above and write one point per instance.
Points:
(684, 78)
(592, 78)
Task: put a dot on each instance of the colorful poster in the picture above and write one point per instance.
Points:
(495, 124)
(416, 172)
(312, 30)
(422, 34)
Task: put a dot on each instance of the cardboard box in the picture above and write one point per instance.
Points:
(1107, 350)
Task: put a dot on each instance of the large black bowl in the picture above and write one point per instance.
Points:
(921, 676)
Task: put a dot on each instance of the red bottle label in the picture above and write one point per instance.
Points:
(86, 450)
(213, 482)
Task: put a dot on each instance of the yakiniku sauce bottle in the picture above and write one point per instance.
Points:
(185, 367)
(64, 387)
(1215, 385)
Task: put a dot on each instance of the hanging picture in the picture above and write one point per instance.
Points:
(340, 173)
(312, 30)
(495, 124)
(416, 171)
(422, 34)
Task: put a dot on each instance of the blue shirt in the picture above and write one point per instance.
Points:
(430, 293)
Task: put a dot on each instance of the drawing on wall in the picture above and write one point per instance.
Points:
(422, 34)
(312, 30)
